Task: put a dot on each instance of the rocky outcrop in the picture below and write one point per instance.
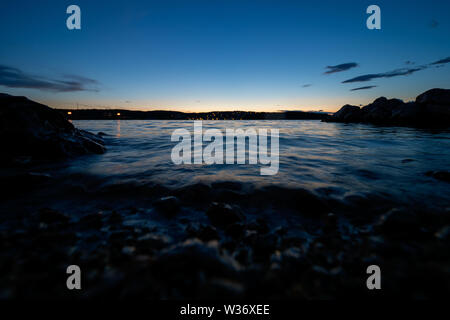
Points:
(431, 109)
(30, 131)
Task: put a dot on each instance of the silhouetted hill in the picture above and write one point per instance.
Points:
(101, 114)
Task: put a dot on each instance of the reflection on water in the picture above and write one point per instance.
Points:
(344, 157)
(118, 129)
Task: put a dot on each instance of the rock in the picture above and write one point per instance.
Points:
(348, 113)
(229, 185)
(407, 113)
(153, 241)
(50, 216)
(193, 256)
(16, 184)
(435, 96)
(260, 226)
(380, 111)
(168, 206)
(222, 215)
(115, 217)
(225, 288)
(34, 131)
(443, 233)
(128, 250)
(195, 193)
(235, 231)
(398, 222)
(92, 221)
(330, 222)
(435, 107)
(202, 232)
(299, 199)
(431, 109)
(439, 175)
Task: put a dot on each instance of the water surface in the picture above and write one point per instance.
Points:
(345, 158)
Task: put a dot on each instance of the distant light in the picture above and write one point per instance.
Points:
(69, 112)
(118, 113)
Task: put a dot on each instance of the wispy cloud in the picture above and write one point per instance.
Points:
(363, 88)
(391, 74)
(340, 67)
(16, 78)
(306, 85)
(442, 61)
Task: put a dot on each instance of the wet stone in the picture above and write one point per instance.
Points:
(222, 215)
(168, 206)
(49, 216)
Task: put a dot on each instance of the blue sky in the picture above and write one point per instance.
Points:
(221, 55)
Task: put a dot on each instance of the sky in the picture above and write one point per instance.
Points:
(192, 55)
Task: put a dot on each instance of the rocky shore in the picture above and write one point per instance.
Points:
(31, 132)
(220, 241)
(205, 241)
(431, 109)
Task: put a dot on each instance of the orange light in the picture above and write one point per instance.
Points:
(118, 113)
(69, 112)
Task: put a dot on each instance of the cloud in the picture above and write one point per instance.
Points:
(363, 88)
(16, 78)
(391, 74)
(409, 62)
(306, 85)
(340, 67)
(442, 61)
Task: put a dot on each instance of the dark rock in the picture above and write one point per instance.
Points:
(439, 175)
(407, 113)
(435, 97)
(34, 131)
(92, 221)
(329, 222)
(224, 288)
(168, 206)
(153, 241)
(263, 247)
(435, 107)
(52, 216)
(431, 109)
(195, 193)
(260, 226)
(398, 222)
(380, 111)
(222, 215)
(193, 256)
(443, 233)
(348, 113)
(235, 231)
(115, 217)
(16, 184)
(301, 200)
(202, 232)
(229, 185)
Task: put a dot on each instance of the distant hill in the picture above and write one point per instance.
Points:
(109, 114)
